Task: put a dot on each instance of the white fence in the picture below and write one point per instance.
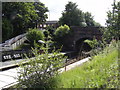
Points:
(13, 43)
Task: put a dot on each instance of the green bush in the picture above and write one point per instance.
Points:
(39, 71)
(61, 34)
(94, 45)
(62, 31)
(34, 35)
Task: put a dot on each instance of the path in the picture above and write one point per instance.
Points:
(73, 65)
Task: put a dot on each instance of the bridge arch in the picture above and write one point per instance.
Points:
(80, 45)
(79, 34)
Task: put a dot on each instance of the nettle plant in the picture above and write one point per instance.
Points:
(38, 71)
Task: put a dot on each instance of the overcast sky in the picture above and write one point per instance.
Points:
(97, 8)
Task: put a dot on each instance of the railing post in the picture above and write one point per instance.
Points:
(65, 64)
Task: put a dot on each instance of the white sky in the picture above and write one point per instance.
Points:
(97, 8)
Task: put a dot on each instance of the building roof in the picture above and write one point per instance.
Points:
(51, 22)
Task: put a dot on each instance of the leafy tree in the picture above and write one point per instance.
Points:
(89, 20)
(113, 23)
(23, 15)
(72, 16)
(34, 35)
(7, 29)
(62, 31)
(41, 12)
(19, 14)
(61, 34)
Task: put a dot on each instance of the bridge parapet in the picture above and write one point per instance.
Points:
(83, 33)
(91, 32)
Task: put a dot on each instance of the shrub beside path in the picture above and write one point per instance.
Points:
(7, 77)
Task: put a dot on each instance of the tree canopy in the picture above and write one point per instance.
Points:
(73, 16)
(89, 20)
(60, 35)
(113, 22)
(22, 15)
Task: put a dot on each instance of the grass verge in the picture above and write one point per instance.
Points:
(101, 72)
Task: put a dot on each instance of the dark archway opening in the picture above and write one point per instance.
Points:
(80, 45)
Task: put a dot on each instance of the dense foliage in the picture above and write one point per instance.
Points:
(21, 16)
(62, 31)
(61, 34)
(113, 23)
(40, 70)
(73, 16)
(89, 20)
(34, 35)
(7, 29)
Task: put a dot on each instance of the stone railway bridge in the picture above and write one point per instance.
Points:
(79, 34)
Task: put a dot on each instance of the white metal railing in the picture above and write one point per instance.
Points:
(13, 43)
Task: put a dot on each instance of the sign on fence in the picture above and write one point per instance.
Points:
(15, 54)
